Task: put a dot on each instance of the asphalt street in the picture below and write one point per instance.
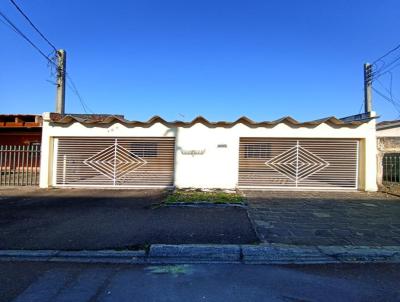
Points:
(112, 219)
(29, 281)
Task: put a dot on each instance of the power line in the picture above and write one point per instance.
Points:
(15, 28)
(386, 69)
(393, 99)
(395, 105)
(388, 99)
(33, 25)
(76, 92)
(12, 26)
(378, 69)
(8, 25)
(386, 54)
(361, 106)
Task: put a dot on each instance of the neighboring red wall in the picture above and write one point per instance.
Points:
(20, 136)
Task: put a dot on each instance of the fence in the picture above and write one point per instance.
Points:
(391, 168)
(19, 165)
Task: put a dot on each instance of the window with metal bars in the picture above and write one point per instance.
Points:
(391, 167)
(145, 149)
(255, 151)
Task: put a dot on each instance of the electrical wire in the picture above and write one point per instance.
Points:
(73, 88)
(51, 62)
(390, 92)
(395, 105)
(362, 104)
(8, 25)
(378, 69)
(33, 25)
(386, 54)
(16, 29)
(389, 71)
(77, 94)
(386, 69)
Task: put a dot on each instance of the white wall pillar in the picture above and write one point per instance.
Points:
(45, 154)
(370, 149)
(214, 159)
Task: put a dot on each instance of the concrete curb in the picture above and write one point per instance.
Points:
(393, 193)
(101, 256)
(280, 254)
(204, 205)
(194, 253)
(206, 253)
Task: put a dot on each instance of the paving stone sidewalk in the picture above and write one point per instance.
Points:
(327, 218)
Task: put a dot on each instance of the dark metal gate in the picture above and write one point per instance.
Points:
(391, 168)
(19, 165)
(298, 163)
(117, 162)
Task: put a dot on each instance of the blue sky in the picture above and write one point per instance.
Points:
(220, 59)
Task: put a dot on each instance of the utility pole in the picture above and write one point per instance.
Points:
(367, 87)
(61, 71)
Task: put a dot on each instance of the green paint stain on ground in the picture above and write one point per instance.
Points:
(321, 215)
(175, 270)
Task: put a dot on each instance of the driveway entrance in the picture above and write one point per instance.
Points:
(298, 163)
(115, 162)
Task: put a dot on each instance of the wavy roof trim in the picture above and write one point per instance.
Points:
(387, 124)
(58, 119)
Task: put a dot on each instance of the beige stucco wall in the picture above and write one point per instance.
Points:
(216, 167)
(388, 141)
(391, 132)
(389, 144)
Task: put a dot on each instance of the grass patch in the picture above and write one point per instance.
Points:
(206, 197)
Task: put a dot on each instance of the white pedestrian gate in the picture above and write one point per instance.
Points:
(298, 163)
(122, 162)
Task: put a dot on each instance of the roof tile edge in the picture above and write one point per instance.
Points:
(58, 119)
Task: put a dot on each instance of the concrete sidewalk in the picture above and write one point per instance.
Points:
(325, 218)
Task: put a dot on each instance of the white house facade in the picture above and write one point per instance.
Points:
(327, 154)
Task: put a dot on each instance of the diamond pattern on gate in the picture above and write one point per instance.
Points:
(297, 163)
(115, 162)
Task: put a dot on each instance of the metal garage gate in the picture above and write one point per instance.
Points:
(124, 162)
(298, 163)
